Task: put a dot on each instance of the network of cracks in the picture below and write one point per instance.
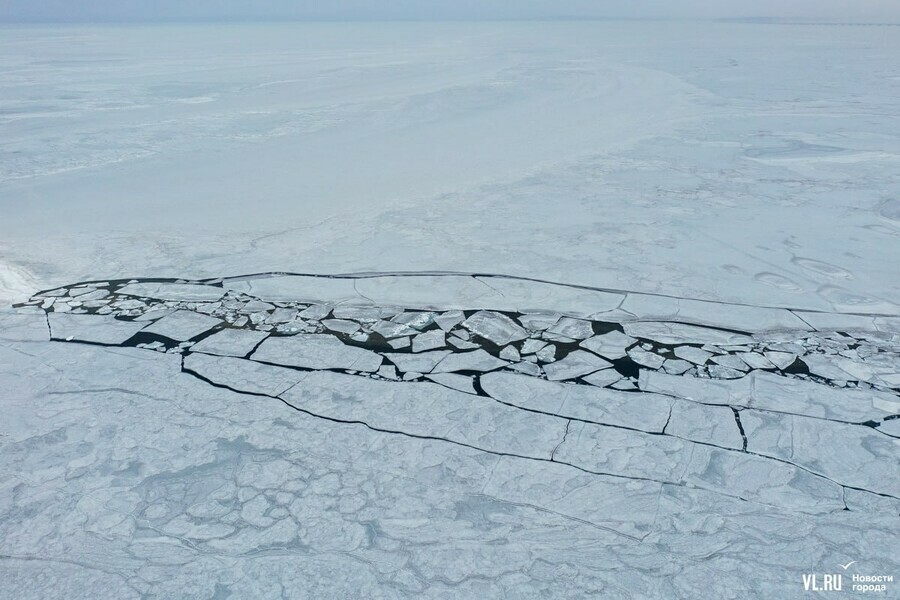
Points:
(741, 403)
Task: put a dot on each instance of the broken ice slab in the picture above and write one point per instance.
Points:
(341, 326)
(756, 361)
(422, 362)
(281, 315)
(315, 312)
(450, 319)
(496, 327)
(364, 313)
(429, 292)
(706, 424)
(676, 366)
(299, 288)
(768, 391)
(510, 353)
(781, 360)
(181, 292)
(316, 351)
(648, 413)
(417, 320)
(527, 368)
(256, 306)
(646, 359)
(576, 329)
(526, 296)
(749, 319)
(230, 342)
(553, 337)
(635, 454)
(828, 321)
(692, 354)
(574, 365)
(80, 290)
(731, 361)
(92, 328)
(603, 378)
(23, 327)
(477, 360)
(429, 341)
(848, 454)
(890, 427)
(389, 330)
(89, 297)
(399, 343)
(388, 372)
(461, 344)
(461, 383)
(531, 346)
(679, 333)
(720, 372)
(546, 354)
(447, 414)
(610, 345)
(877, 369)
(243, 375)
(182, 325)
(539, 321)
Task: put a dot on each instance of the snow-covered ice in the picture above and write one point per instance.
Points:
(388, 310)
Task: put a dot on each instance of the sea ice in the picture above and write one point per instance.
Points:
(173, 291)
(576, 329)
(476, 360)
(243, 375)
(316, 351)
(91, 328)
(182, 325)
(495, 327)
(230, 342)
(574, 365)
(611, 345)
(429, 340)
(423, 362)
(588, 403)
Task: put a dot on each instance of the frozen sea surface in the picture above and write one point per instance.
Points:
(709, 408)
(749, 163)
(224, 442)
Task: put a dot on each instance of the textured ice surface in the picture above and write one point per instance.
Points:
(231, 342)
(495, 327)
(476, 360)
(647, 413)
(23, 327)
(182, 325)
(173, 291)
(575, 365)
(610, 345)
(675, 172)
(332, 450)
(92, 328)
(316, 352)
(429, 410)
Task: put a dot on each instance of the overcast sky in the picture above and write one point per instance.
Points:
(167, 10)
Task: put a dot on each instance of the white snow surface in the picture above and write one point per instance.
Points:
(721, 193)
(712, 161)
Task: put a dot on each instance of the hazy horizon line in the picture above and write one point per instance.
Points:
(759, 20)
